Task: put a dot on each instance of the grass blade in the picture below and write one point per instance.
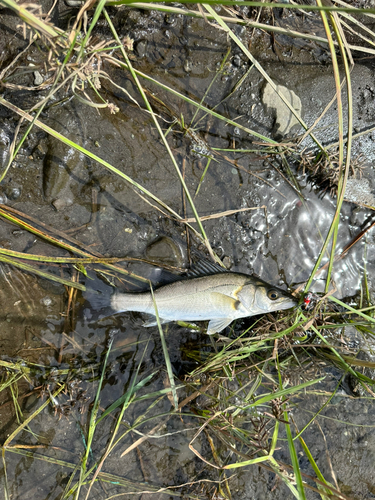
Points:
(43, 274)
(166, 353)
(124, 399)
(292, 449)
(265, 75)
(93, 423)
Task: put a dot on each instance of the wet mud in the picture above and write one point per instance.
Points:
(279, 238)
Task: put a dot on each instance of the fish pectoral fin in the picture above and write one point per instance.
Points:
(216, 325)
(225, 300)
(153, 322)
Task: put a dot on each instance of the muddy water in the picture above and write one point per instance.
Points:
(64, 189)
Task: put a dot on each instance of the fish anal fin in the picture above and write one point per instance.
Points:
(216, 325)
(153, 322)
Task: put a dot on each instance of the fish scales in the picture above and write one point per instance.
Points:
(200, 299)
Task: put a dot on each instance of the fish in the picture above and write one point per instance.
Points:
(208, 293)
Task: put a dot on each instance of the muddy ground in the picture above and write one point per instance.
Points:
(64, 189)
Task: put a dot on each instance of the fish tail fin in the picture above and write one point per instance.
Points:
(99, 300)
(111, 302)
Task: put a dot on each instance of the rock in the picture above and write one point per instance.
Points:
(166, 250)
(13, 192)
(61, 203)
(38, 79)
(141, 48)
(59, 166)
(285, 120)
(359, 191)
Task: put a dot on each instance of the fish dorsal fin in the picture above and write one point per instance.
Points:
(205, 268)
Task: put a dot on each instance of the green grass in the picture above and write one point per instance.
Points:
(243, 426)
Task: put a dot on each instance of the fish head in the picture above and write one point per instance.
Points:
(259, 297)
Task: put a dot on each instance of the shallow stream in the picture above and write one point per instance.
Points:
(279, 238)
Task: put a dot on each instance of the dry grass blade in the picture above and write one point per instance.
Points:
(272, 5)
(225, 214)
(252, 24)
(346, 6)
(88, 260)
(32, 20)
(332, 233)
(262, 71)
(347, 247)
(43, 274)
(8, 213)
(323, 113)
(336, 73)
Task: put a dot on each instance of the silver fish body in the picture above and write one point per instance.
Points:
(220, 298)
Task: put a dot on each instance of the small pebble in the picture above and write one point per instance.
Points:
(141, 48)
(187, 66)
(61, 203)
(237, 61)
(38, 79)
(14, 193)
(47, 301)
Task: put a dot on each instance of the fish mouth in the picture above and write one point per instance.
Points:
(288, 303)
(285, 303)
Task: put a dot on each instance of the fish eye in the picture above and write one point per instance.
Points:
(272, 294)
